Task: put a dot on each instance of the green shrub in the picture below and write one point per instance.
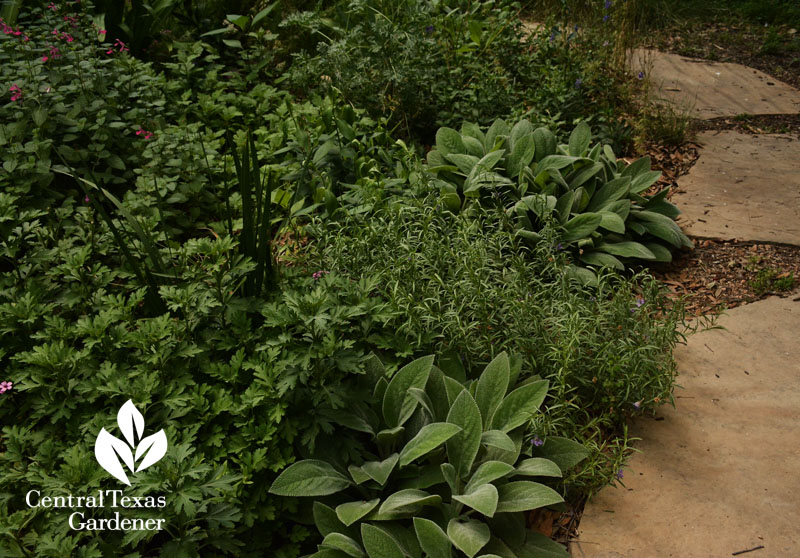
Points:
(442, 471)
(465, 286)
(601, 203)
(230, 379)
(75, 101)
(421, 63)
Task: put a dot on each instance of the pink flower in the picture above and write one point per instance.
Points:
(45, 58)
(68, 37)
(6, 386)
(102, 31)
(54, 52)
(144, 133)
(86, 199)
(52, 7)
(16, 92)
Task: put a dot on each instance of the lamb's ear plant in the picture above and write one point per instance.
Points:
(601, 204)
(448, 474)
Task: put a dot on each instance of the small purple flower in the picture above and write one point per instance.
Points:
(637, 405)
(429, 29)
(619, 475)
(86, 199)
(552, 36)
(538, 442)
(641, 75)
(639, 302)
(606, 18)
(318, 274)
(576, 27)
(609, 3)
(6, 386)
(578, 83)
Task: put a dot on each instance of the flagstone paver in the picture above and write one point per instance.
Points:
(712, 89)
(743, 187)
(721, 472)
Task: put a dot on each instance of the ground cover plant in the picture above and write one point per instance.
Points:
(441, 476)
(214, 214)
(466, 286)
(601, 202)
(431, 64)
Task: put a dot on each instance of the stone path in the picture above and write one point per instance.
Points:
(720, 473)
(743, 186)
(713, 89)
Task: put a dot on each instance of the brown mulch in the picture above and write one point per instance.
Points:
(673, 162)
(717, 274)
(753, 124)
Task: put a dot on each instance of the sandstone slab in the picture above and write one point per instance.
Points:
(713, 89)
(743, 187)
(721, 472)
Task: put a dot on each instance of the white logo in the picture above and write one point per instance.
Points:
(109, 450)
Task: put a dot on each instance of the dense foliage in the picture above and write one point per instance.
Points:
(465, 286)
(212, 214)
(607, 215)
(439, 475)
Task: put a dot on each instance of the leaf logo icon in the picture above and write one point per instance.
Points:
(112, 453)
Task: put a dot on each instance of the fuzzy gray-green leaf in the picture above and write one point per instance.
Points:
(430, 437)
(468, 536)
(519, 406)
(309, 478)
(350, 512)
(463, 447)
